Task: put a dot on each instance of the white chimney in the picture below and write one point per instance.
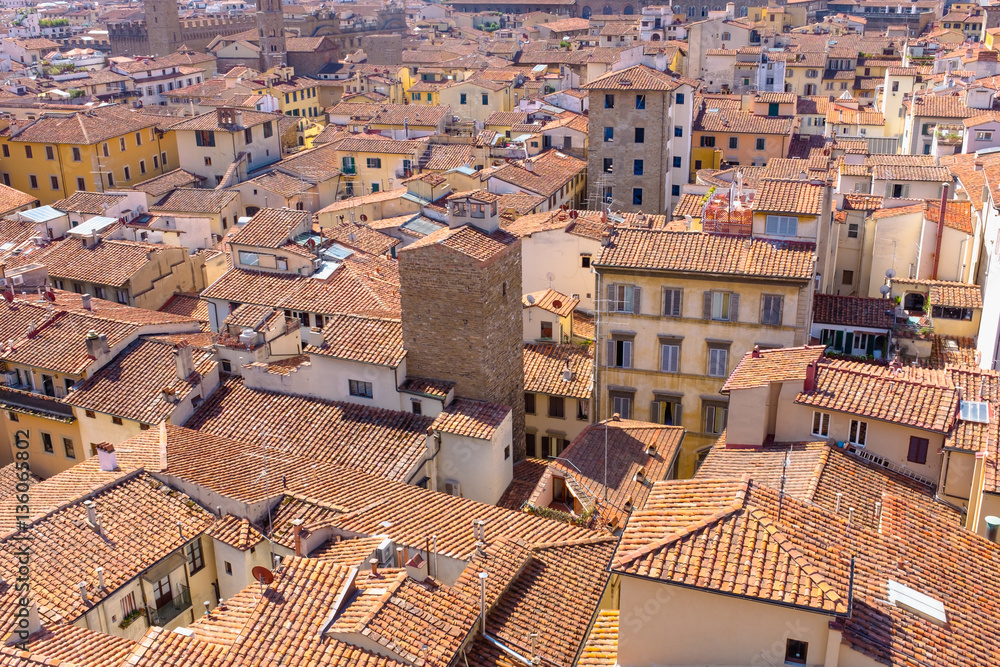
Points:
(316, 337)
(97, 345)
(91, 512)
(184, 360)
(86, 302)
(106, 456)
(100, 578)
(83, 591)
(482, 602)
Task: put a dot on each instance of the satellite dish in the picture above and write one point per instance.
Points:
(885, 289)
(564, 207)
(573, 214)
(557, 304)
(263, 575)
(530, 299)
(364, 218)
(550, 276)
(890, 273)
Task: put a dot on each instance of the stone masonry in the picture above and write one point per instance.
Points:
(462, 323)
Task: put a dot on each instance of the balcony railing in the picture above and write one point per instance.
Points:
(168, 612)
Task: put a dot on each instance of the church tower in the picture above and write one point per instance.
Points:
(271, 28)
(163, 27)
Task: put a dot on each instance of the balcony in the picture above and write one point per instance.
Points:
(19, 398)
(168, 612)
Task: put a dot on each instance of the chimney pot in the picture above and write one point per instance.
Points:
(83, 591)
(86, 302)
(106, 456)
(374, 563)
(91, 512)
(756, 352)
(100, 578)
(297, 532)
(316, 337)
(482, 601)
(810, 382)
(992, 527)
(184, 360)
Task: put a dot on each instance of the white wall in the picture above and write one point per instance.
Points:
(559, 253)
(480, 465)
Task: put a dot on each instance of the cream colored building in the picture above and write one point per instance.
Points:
(671, 326)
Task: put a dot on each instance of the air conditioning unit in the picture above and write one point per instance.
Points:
(17, 280)
(453, 487)
(10, 379)
(384, 551)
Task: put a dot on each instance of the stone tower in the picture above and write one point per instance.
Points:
(163, 27)
(271, 28)
(460, 290)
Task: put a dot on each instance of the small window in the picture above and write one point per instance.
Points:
(847, 278)
(128, 174)
(679, 99)
(609, 102)
(585, 261)
(486, 99)
(852, 230)
(583, 409)
(195, 556)
(678, 131)
(70, 449)
(672, 301)
(138, 139)
(13, 416)
(707, 142)
(760, 143)
(6, 150)
(609, 165)
(734, 142)
(90, 414)
(374, 163)
(715, 417)
(33, 181)
(821, 424)
(360, 388)
(858, 435)
(54, 182)
(227, 366)
(47, 443)
(557, 407)
(609, 134)
(718, 361)
(677, 162)
(782, 225)
(796, 651)
(27, 152)
(640, 101)
(638, 167)
(721, 306)
(116, 420)
(918, 450)
(121, 144)
(619, 353)
(416, 407)
(50, 153)
(670, 354)
(640, 135)
(636, 196)
(229, 567)
(770, 310)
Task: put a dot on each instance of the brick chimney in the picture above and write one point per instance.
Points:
(97, 345)
(810, 382)
(297, 532)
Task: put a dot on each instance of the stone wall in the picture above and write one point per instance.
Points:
(462, 323)
(383, 49)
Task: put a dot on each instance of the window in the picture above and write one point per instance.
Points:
(609, 165)
(373, 162)
(666, 410)
(6, 178)
(858, 435)
(116, 420)
(677, 162)
(13, 416)
(6, 150)
(227, 366)
(678, 131)
(722, 306)
(951, 313)
(918, 450)
(670, 356)
(679, 98)
(708, 142)
(105, 150)
(795, 652)
(718, 358)
(486, 99)
(90, 414)
(142, 166)
(121, 144)
(557, 407)
(619, 353)
(640, 101)
(609, 102)
(760, 143)
(122, 297)
(715, 416)
(895, 86)
(637, 167)
(609, 134)
(47, 443)
(111, 179)
(463, 98)
(375, 186)
(27, 152)
(734, 142)
(70, 450)
(128, 173)
(268, 130)
(228, 566)
(782, 225)
(623, 299)
(675, 190)
(621, 403)
(203, 138)
(54, 182)
(195, 556)
(770, 310)
(128, 605)
(50, 154)
(984, 136)
(672, 301)
(547, 330)
(156, 162)
(636, 196)
(360, 388)
(33, 181)
(852, 230)
(640, 135)
(585, 261)
(583, 409)
(821, 424)
(900, 191)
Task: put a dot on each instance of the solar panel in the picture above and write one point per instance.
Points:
(975, 411)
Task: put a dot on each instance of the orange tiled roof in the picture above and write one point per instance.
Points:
(760, 368)
(697, 252)
(469, 418)
(237, 533)
(948, 293)
(552, 301)
(601, 649)
(468, 240)
(271, 227)
(853, 310)
(637, 77)
(369, 340)
(545, 365)
(790, 196)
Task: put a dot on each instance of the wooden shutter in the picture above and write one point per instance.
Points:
(610, 359)
(671, 302)
(626, 354)
(611, 299)
(707, 305)
(848, 342)
(636, 300)
(780, 308)
(734, 307)
(654, 412)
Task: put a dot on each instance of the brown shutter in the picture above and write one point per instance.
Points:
(636, 300)
(734, 307)
(707, 310)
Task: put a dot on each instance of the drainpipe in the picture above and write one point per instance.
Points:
(940, 230)
(974, 513)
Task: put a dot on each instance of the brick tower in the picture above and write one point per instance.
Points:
(271, 28)
(460, 290)
(163, 27)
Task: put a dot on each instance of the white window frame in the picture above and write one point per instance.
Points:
(670, 357)
(782, 225)
(858, 433)
(718, 362)
(821, 424)
(722, 306)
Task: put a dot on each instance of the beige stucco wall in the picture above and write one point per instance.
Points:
(560, 254)
(484, 467)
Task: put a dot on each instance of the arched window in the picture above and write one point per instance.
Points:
(270, 33)
(608, 11)
(586, 12)
(629, 10)
(655, 37)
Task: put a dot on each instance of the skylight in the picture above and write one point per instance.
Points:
(975, 411)
(917, 603)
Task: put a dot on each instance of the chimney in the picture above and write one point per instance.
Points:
(180, 530)
(83, 591)
(810, 382)
(91, 512)
(316, 337)
(529, 165)
(238, 118)
(616, 417)
(940, 230)
(374, 563)
(567, 374)
(184, 360)
(97, 345)
(86, 302)
(756, 352)
(106, 456)
(482, 602)
(27, 621)
(730, 10)
(978, 164)
(992, 527)
(297, 532)
(100, 578)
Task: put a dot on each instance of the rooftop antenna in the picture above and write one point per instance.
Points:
(784, 471)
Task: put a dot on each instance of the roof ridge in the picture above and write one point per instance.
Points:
(734, 506)
(785, 543)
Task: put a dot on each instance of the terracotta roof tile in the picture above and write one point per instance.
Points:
(853, 310)
(272, 227)
(795, 196)
(758, 369)
(368, 340)
(469, 418)
(948, 293)
(545, 365)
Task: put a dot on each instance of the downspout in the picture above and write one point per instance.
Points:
(940, 230)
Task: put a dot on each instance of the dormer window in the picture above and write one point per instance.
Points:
(478, 210)
(458, 209)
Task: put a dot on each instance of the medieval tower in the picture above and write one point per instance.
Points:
(460, 291)
(163, 26)
(271, 28)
